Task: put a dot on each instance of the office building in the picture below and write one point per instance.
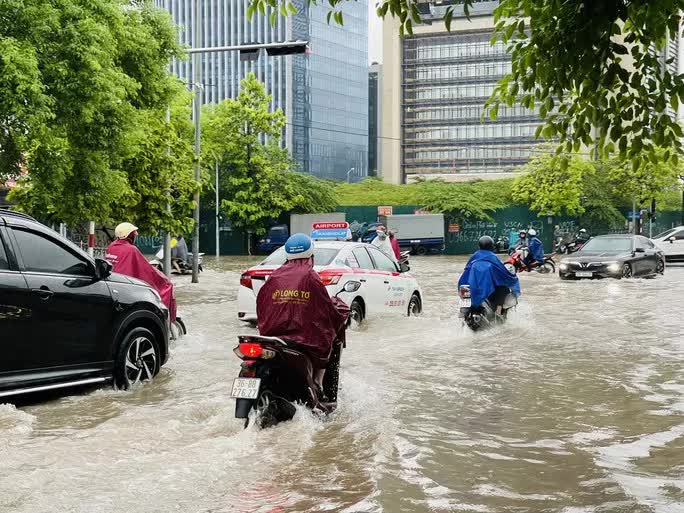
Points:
(435, 84)
(374, 116)
(324, 94)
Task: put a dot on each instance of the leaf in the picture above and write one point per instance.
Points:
(291, 7)
(494, 112)
(448, 16)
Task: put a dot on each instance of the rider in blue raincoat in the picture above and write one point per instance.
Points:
(488, 278)
(535, 249)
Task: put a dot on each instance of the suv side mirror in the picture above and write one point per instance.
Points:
(103, 269)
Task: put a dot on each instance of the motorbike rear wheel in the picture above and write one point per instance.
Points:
(547, 268)
(271, 409)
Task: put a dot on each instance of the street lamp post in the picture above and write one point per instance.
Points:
(273, 49)
(349, 173)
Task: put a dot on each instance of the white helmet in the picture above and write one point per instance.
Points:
(532, 232)
(123, 230)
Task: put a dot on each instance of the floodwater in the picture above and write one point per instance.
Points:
(576, 405)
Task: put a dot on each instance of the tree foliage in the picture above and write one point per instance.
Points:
(593, 190)
(83, 92)
(258, 181)
(591, 68)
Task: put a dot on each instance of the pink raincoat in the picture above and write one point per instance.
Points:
(127, 259)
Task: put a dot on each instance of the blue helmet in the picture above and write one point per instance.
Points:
(299, 246)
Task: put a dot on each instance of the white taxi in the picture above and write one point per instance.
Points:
(384, 289)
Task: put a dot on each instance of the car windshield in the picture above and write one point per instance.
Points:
(322, 256)
(666, 233)
(617, 244)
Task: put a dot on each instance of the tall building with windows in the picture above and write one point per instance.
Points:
(324, 94)
(374, 89)
(435, 84)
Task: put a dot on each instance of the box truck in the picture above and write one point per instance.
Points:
(419, 233)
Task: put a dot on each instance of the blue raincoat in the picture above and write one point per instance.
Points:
(484, 272)
(536, 250)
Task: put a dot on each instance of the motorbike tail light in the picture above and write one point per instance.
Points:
(330, 279)
(249, 351)
(464, 291)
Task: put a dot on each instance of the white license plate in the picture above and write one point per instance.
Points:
(245, 388)
(465, 303)
(584, 274)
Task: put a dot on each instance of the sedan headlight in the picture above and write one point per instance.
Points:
(613, 267)
(564, 266)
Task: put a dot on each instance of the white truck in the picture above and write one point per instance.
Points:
(421, 233)
(299, 223)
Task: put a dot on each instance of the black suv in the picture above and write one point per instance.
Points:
(67, 320)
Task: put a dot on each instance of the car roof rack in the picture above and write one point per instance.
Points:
(14, 213)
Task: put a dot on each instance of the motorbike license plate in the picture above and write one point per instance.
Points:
(584, 274)
(246, 388)
(465, 303)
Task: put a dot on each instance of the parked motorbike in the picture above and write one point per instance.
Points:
(515, 263)
(276, 374)
(185, 267)
(483, 316)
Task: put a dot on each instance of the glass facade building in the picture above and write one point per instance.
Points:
(324, 94)
(446, 80)
(373, 115)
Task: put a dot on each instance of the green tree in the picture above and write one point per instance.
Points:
(258, 181)
(461, 201)
(83, 87)
(592, 68)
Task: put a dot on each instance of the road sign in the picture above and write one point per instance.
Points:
(454, 228)
(385, 211)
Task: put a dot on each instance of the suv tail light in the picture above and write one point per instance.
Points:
(464, 291)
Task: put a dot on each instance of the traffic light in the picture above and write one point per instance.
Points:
(288, 48)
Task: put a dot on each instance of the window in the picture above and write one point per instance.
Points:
(382, 261)
(4, 264)
(679, 235)
(41, 254)
(352, 262)
(364, 260)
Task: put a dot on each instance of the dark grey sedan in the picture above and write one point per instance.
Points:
(614, 256)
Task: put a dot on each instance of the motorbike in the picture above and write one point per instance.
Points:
(276, 374)
(502, 244)
(483, 316)
(515, 263)
(569, 247)
(185, 267)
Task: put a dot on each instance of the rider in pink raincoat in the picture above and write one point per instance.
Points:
(127, 259)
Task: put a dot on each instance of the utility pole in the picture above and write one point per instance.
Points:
(218, 228)
(197, 110)
(272, 49)
(167, 234)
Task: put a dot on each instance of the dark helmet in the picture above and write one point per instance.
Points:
(486, 243)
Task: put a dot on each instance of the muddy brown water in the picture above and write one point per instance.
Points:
(576, 405)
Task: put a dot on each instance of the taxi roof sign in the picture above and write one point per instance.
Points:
(330, 231)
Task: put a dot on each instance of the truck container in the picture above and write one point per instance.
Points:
(419, 233)
(278, 234)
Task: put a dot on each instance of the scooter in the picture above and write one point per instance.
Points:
(276, 374)
(515, 263)
(483, 316)
(185, 267)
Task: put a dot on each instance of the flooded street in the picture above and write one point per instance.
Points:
(576, 405)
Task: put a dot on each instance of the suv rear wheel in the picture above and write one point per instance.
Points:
(138, 358)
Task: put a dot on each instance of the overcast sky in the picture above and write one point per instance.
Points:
(374, 34)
